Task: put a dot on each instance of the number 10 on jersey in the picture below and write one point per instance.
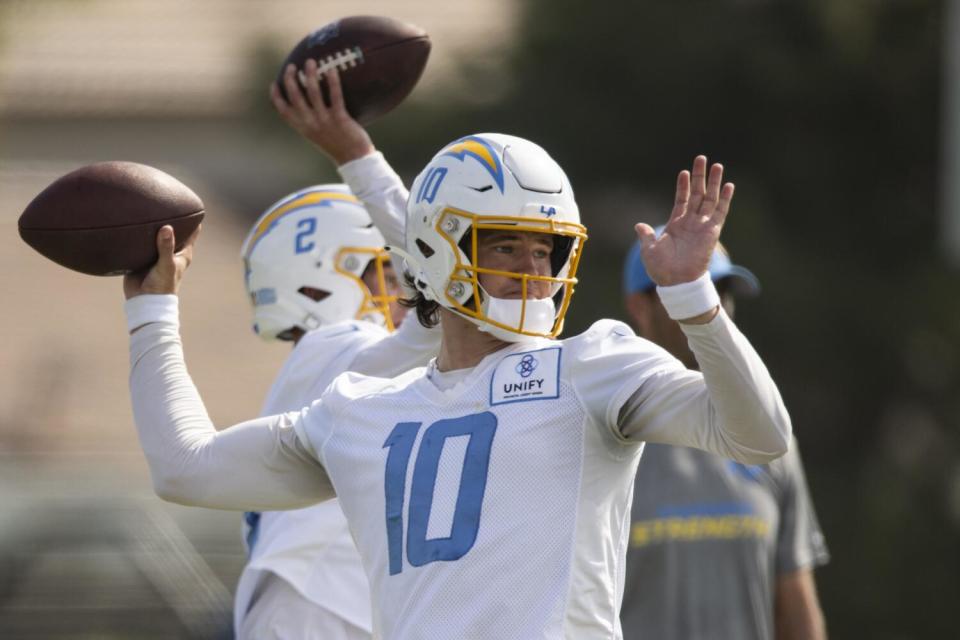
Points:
(480, 428)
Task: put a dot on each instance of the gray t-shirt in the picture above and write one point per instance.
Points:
(708, 538)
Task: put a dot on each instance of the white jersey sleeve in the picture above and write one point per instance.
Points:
(260, 464)
(411, 345)
(375, 182)
(312, 549)
(642, 393)
(318, 423)
(316, 360)
(358, 346)
(607, 362)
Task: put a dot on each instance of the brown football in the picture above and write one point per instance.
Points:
(380, 61)
(102, 219)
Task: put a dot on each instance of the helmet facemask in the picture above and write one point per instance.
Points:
(511, 319)
(358, 263)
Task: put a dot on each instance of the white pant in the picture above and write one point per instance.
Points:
(278, 612)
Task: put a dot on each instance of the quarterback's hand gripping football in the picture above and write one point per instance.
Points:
(682, 251)
(331, 128)
(163, 277)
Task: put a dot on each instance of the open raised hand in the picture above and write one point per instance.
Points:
(682, 251)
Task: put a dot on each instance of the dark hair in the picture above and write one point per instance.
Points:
(428, 311)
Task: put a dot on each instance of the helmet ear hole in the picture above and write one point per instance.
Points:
(291, 335)
(466, 245)
(314, 294)
(425, 249)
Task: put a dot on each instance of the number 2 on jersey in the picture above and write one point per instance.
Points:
(480, 428)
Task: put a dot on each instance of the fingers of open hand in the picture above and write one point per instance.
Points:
(712, 194)
(682, 196)
(716, 203)
(698, 182)
(710, 197)
(723, 204)
(699, 174)
(702, 198)
(645, 234)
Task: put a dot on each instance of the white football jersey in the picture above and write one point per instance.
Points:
(499, 507)
(311, 548)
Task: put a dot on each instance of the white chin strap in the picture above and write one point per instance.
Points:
(538, 317)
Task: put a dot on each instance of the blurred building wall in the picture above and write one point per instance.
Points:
(181, 57)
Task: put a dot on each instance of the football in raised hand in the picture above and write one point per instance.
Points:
(380, 61)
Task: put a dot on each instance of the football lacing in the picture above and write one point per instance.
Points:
(342, 60)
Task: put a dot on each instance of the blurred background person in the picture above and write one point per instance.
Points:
(318, 276)
(718, 550)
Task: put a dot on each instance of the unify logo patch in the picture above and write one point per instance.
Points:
(527, 365)
(531, 375)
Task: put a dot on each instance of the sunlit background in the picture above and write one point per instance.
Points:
(837, 120)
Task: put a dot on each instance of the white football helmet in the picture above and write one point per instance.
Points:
(492, 181)
(303, 262)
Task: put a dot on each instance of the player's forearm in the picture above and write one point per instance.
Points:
(256, 465)
(746, 415)
(375, 182)
(410, 346)
(745, 404)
